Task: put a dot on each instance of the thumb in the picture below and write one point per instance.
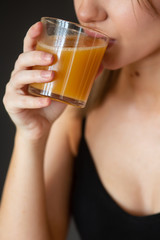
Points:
(31, 37)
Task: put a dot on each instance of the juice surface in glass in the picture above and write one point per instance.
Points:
(75, 69)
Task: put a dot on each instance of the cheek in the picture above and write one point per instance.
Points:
(136, 40)
(133, 49)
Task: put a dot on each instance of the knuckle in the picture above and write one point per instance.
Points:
(19, 60)
(31, 58)
(23, 101)
(8, 87)
(27, 102)
(4, 100)
(36, 75)
(11, 85)
(12, 82)
(20, 57)
(39, 55)
(34, 103)
(12, 73)
(36, 55)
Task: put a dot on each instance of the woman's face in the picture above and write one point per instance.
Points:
(134, 30)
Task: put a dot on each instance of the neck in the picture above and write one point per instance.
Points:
(140, 81)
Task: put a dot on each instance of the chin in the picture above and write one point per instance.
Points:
(116, 59)
(115, 63)
(111, 62)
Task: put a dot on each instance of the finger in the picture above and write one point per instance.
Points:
(30, 59)
(31, 37)
(30, 102)
(25, 77)
(15, 103)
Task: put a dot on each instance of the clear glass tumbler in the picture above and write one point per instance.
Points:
(78, 52)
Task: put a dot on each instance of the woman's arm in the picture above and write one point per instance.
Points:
(62, 147)
(23, 208)
(36, 197)
(23, 212)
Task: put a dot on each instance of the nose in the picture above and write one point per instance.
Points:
(91, 11)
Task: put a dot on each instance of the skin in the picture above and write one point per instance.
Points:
(127, 121)
(133, 126)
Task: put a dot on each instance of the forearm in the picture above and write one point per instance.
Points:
(23, 212)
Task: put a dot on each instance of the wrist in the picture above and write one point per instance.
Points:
(28, 147)
(25, 136)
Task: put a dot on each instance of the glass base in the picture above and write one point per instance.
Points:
(53, 96)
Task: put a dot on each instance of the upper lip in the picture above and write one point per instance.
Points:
(99, 34)
(91, 27)
(100, 31)
(90, 32)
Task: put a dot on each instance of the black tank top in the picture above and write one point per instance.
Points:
(96, 215)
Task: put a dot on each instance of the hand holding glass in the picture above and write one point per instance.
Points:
(78, 52)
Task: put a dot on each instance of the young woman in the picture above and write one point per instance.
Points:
(104, 168)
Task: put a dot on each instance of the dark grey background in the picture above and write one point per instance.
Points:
(15, 19)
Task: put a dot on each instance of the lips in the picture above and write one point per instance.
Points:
(99, 34)
(94, 33)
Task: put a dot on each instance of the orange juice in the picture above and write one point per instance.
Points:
(75, 69)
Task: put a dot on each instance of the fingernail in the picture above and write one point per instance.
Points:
(46, 74)
(47, 56)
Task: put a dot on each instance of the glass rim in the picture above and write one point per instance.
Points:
(79, 26)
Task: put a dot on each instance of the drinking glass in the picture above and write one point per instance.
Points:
(78, 52)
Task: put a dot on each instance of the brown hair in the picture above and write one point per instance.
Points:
(107, 80)
(148, 4)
